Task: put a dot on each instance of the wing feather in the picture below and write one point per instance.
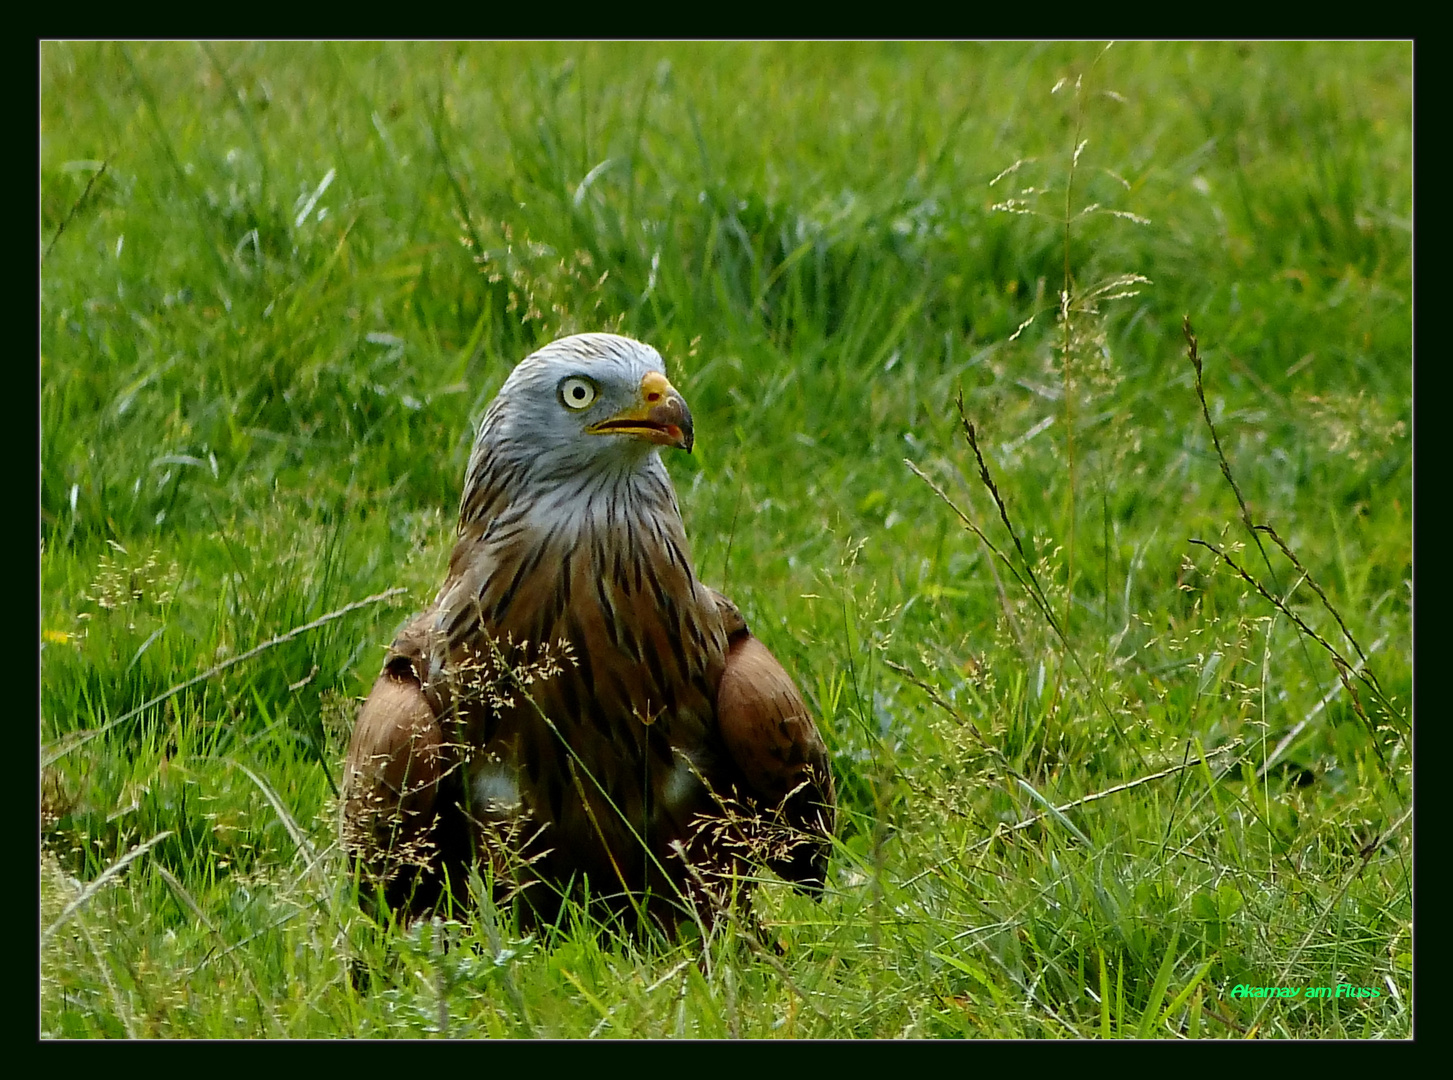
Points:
(391, 777)
(770, 735)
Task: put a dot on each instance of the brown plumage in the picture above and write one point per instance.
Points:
(576, 711)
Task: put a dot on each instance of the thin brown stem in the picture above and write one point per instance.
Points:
(75, 208)
(1287, 551)
(1036, 594)
(1344, 668)
(61, 747)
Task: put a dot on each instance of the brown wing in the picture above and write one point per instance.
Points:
(771, 737)
(391, 776)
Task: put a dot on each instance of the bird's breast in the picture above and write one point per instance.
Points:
(606, 655)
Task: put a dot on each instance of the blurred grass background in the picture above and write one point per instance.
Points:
(280, 282)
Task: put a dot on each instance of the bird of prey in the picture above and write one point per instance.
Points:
(576, 715)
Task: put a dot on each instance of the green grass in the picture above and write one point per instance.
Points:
(267, 328)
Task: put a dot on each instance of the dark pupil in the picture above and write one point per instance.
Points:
(578, 392)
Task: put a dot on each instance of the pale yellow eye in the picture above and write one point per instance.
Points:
(577, 393)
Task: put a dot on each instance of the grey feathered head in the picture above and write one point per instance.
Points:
(583, 409)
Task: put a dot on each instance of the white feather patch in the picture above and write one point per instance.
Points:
(496, 790)
(682, 784)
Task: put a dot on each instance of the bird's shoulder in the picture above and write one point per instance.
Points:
(732, 622)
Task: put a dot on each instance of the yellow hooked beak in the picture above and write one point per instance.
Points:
(659, 415)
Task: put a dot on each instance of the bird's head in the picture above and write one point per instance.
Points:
(586, 404)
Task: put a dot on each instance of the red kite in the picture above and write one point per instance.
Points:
(577, 714)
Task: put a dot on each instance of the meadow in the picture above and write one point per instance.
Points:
(1111, 646)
